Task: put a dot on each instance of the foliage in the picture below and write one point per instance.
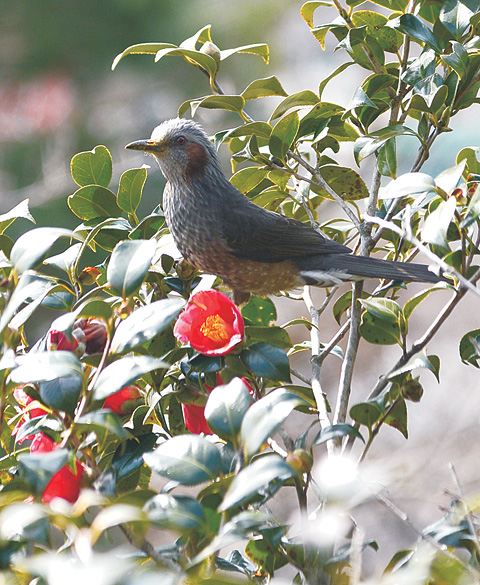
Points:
(108, 395)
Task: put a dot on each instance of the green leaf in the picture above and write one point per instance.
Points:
(61, 393)
(382, 321)
(141, 49)
(270, 86)
(33, 246)
(191, 56)
(103, 423)
(274, 335)
(414, 301)
(469, 348)
(148, 227)
(300, 99)
(144, 323)
(260, 49)
(420, 360)
(130, 189)
(309, 8)
(43, 366)
(346, 183)
(65, 260)
(248, 178)
(123, 372)
(455, 15)
(180, 513)
(265, 417)
(412, 25)
(370, 143)
(260, 129)
(410, 184)
(256, 479)
(20, 210)
(470, 155)
(259, 311)
(94, 308)
(128, 457)
(337, 431)
(437, 223)
(129, 265)
(92, 167)
(267, 361)
(187, 459)
(457, 59)
(231, 103)
(94, 201)
(366, 413)
(387, 38)
(226, 406)
(387, 159)
(283, 134)
(473, 209)
(397, 417)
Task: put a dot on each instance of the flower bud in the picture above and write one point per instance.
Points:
(300, 460)
(59, 341)
(124, 401)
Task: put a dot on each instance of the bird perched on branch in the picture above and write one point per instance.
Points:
(222, 232)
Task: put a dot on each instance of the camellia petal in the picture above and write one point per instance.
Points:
(64, 484)
(211, 323)
(123, 401)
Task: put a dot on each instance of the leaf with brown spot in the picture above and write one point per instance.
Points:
(347, 183)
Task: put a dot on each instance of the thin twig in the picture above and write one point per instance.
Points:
(468, 516)
(145, 546)
(408, 235)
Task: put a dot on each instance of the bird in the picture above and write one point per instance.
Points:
(253, 250)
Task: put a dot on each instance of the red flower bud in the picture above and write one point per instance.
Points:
(211, 323)
(64, 484)
(95, 334)
(58, 341)
(123, 401)
(42, 444)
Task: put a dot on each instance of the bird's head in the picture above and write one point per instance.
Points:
(182, 149)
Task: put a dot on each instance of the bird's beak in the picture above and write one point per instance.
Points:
(146, 145)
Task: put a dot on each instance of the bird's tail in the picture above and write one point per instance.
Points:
(332, 269)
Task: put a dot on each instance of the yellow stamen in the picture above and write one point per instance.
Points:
(215, 328)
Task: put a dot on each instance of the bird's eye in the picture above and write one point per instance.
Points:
(181, 140)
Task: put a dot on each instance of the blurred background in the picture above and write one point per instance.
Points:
(58, 96)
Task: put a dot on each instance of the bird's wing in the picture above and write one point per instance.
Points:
(254, 233)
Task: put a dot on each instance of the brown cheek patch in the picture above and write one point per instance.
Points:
(197, 158)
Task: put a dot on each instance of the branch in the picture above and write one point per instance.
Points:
(407, 234)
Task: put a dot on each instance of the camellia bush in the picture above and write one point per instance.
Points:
(143, 437)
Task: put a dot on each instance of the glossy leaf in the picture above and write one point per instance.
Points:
(38, 469)
(470, 348)
(283, 135)
(260, 129)
(414, 301)
(187, 459)
(300, 99)
(231, 103)
(180, 513)
(421, 360)
(264, 418)
(191, 56)
(437, 223)
(129, 265)
(260, 49)
(270, 86)
(144, 323)
(256, 479)
(129, 456)
(226, 407)
(387, 38)
(130, 189)
(366, 413)
(409, 184)
(248, 178)
(397, 417)
(19, 211)
(148, 227)
(47, 365)
(367, 145)
(259, 311)
(267, 361)
(141, 49)
(123, 372)
(103, 423)
(93, 167)
(274, 335)
(309, 8)
(457, 59)
(413, 26)
(387, 159)
(33, 246)
(469, 154)
(337, 431)
(61, 393)
(346, 183)
(94, 201)
(473, 210)
(455, 15)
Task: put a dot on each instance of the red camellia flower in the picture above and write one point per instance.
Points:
(123, 401)
(58, 341)
(42, 444)
(211, 323)
(194, 416)
(64, 484)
